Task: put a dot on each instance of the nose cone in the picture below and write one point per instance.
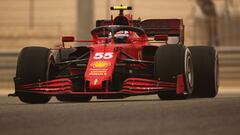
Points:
(100, 66)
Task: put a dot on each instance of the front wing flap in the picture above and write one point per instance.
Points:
(131, 86)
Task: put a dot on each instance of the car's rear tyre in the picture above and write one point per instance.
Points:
(64, 54)
(206, 70)
(74, 98)
(170, 61)
(35, 64)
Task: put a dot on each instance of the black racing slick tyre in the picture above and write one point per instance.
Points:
(170, 61)
(34, 64)
(64, 54)
(206, 71)
(74, 98)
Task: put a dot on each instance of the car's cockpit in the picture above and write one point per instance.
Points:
(118, 33)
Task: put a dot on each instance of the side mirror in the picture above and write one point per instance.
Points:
(68, 39)
(161, 38)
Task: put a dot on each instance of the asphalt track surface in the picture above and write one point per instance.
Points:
(145, 115)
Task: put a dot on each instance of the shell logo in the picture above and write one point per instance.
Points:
(100, 64)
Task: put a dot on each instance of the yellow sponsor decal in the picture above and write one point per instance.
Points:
(100, 64)
(98, 74)
(120, 7)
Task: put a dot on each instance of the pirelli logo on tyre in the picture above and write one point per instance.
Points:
(100, 64)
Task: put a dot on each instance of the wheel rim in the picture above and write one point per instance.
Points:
(189, 71)
(216, 72)
(51, 68)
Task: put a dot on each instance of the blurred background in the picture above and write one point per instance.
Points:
(43, 22)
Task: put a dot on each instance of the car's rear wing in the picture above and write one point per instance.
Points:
(170, 27)
(152, 27)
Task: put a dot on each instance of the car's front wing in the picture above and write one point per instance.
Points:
(131, 86)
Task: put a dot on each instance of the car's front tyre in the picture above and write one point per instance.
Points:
(171, 61)
(34, 64)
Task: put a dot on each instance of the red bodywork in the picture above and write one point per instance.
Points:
(106, 56)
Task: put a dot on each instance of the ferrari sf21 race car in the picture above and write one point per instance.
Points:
(125, 57)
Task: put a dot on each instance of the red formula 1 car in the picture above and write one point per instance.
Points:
(125, 57)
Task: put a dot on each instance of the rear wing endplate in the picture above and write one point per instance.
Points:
(170, 27)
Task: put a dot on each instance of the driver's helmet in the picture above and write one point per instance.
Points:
(121, 36)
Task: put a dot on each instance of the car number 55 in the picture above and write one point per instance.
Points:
(107, 55)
